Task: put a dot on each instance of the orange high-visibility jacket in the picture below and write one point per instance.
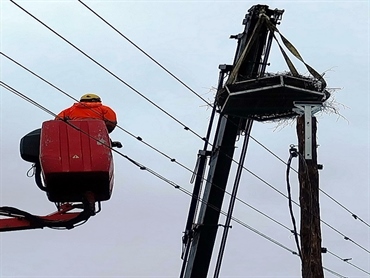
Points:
(90, 110)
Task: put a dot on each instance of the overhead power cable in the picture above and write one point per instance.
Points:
(185, 127)
(335, 273)
(19, 94)
(118, 126)
(38, 76)
(143, 167)
(184, 84)
(355, 216)
(348, 262)
(240, 222)
(175, 185)
(294, 202)
(110, 72)
(114, 75)
(174, 160)
(145, 53)
(141, 140)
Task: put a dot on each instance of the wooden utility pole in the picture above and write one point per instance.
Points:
(309, 201)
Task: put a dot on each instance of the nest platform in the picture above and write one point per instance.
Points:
(270, 97)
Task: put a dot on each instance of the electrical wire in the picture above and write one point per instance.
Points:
(142, 167)
(292, 154)
(161, 109)
(185, 127)
(191, 90)
(38, 76)
(173, 184)
(110, 72)
(118, 126)
(136, 91)
(174, 160)
(335, 273)
(240, 222)
(355, 216)
(26, 98)
(348, 262)
(145, 53)
(141, 140)
(137, 137)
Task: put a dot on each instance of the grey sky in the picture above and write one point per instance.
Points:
(138, 233)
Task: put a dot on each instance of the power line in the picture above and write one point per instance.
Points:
(19, 94)
(355, 216)
(161, 109)
(175, 185)
(147, 144)
(110, 72)
(240, 222)
(141, 140)
(183, 166)
(348, 262)
(118, 126)
(146, 54)
(143, 167)
(184, 84)
(324, 222)
(185, 128)
(334, 273)
(180, 81)
(38, 76)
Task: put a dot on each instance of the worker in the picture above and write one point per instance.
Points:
(90, 107)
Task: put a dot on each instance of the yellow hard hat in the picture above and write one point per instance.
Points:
(90, 98)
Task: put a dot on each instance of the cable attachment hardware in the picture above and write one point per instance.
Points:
(225, 226)
(202, 155)
(293, 151)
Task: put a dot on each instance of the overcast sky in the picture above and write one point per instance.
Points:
(138, 232)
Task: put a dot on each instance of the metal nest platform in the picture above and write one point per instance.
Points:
(271, 97)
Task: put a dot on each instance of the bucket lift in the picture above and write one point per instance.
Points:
(73, 164)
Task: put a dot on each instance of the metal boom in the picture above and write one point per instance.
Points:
(250, 62)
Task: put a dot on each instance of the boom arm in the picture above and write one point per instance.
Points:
(19, 220)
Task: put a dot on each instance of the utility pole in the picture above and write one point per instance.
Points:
(310, 232)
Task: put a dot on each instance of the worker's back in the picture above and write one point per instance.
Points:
(90, 107)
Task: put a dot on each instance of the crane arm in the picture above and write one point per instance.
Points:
(19, 220)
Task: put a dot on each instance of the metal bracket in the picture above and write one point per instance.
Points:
(308, 109)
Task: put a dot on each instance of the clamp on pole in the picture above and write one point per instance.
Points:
(308, 109)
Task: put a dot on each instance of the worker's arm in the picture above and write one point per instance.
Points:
(62, 115)
(110, 118)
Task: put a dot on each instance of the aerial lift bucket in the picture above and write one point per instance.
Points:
(75, 159)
